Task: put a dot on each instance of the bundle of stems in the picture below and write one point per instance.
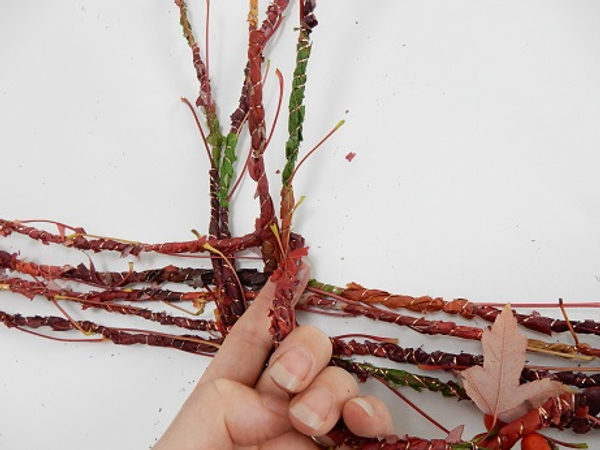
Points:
(230, 287)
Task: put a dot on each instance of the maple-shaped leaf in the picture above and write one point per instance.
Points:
(495, 387)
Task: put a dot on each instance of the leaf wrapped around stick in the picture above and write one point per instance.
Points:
(495, 387)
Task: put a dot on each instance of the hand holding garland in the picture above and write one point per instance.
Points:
(237, 404)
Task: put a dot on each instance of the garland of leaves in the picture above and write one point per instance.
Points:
(519, 400)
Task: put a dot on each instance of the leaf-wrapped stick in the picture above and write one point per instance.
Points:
(233, 301)
(253, 93)
(32, 288)
(449, 361)
(394, 352)
(274, 15)
(460, 306)
(533, 321)
(258, 137)
(342, 436)
(81, 241)
(308, 20)
(187, 343)
(418, 324)
(283, 313)
(205, 97)
(296, 115)
(397, 378)
(296, 103)
(578, 379)
(432, 327)
(161, 317)
(227, 171)
(239, 115)
(233, 304)
(194, 277)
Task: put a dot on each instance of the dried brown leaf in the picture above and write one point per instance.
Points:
(495, 387)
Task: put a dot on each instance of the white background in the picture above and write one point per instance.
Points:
(475, 128)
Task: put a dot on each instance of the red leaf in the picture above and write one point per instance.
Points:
(298, 253)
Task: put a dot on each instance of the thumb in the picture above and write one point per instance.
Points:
(222, 414)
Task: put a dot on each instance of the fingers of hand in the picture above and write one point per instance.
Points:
(368, 416)
(303, 277)
(293, 440)
(317, 409)
(242, 356)
(249, 418)
(300, 366)
(297, 361)
(221, 414)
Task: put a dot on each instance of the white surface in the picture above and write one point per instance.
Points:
(475, 128)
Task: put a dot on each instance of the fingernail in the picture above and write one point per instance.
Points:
(313, 408)
(290, 369)
(364, 405)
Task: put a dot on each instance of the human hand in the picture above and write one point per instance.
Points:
(239, 404)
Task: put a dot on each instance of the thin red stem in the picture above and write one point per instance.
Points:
(412, 405)
(540, 305)
(231, 267)
(314, 149)
(568, 322)
(189, 105)
(367, 336)
(328, 294)
(564, 368)
(167, 335)
(69, 318)
(239, 179)
(279, 101)
(567, 444)
(54, 338)
(206, 39)
(61, 226)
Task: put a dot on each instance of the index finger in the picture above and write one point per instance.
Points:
(248, 345)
